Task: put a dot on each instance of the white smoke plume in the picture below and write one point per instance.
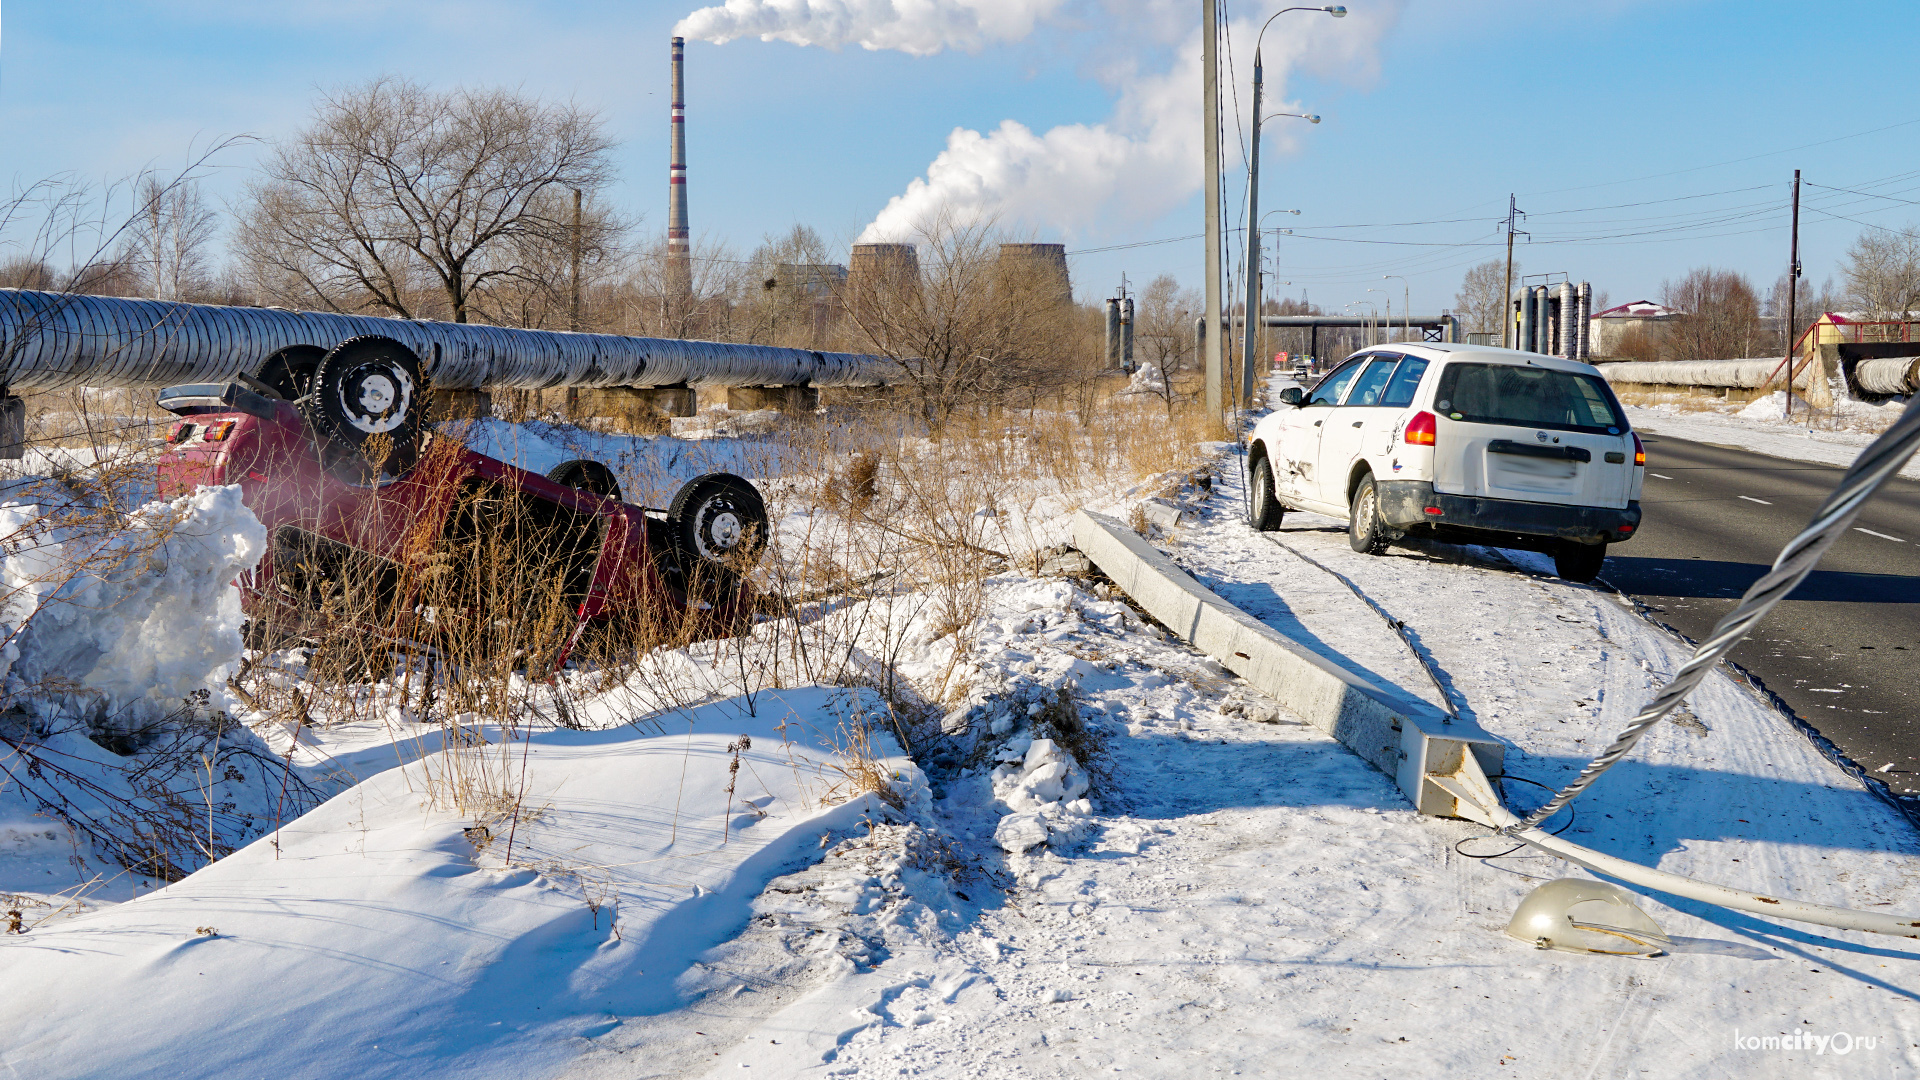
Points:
(917, 27)
(1138, 164)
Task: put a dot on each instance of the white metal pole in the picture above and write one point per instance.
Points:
(1210, 118)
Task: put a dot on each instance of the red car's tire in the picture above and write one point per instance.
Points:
(290, 371)
(368, 396)
(587, 475)
(719, 526)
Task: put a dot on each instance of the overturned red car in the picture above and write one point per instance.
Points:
(376, 521)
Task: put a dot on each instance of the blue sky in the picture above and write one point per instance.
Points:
(1434, 110)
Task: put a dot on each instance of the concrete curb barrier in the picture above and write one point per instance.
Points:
(1402, 736)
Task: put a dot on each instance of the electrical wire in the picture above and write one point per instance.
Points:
(1879, 461)
(1501, 780)
(1733, 161)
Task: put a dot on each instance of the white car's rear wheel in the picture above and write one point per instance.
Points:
(1579, 562)
(1365, 532)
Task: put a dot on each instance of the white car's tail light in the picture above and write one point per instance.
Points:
(1421, 428)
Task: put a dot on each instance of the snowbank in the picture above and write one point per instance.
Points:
(114, 751)
(382, 939)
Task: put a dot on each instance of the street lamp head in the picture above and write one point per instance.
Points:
(1315, 118)
(1338, 11)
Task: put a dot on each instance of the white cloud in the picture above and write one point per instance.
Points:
(918, 27)
(1139, 163)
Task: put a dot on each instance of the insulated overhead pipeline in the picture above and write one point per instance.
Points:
(1897, 375)
(1447, 325)
(53, 340)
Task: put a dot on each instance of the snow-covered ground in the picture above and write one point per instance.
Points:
(379, 935)
(1105, 855)
(1249, 898)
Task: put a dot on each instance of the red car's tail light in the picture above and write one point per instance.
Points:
(1421, 428)
(218, 430)
(1639, 451)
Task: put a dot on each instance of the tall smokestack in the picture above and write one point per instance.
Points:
(679, 244)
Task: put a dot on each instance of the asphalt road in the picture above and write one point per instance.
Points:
(1844, 649)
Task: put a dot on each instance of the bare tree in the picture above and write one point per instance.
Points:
(788, 293)
(652, 302)
(965, 329)
(1163, 332)
(107, 276)
(1882, 272)
(540, 296)
(1482, 300)
(396, 192)
(1719, 317)
(27, 272)
(167, 240)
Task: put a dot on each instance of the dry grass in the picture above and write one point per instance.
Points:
(886, 535)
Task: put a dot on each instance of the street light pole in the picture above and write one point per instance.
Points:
(1249, 340)
(1372, 317)
(1406, 304)
(1253, 234)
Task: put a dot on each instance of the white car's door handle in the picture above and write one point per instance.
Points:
(1316, 423)
(1357, 423)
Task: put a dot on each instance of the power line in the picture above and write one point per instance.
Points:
(1732, 161)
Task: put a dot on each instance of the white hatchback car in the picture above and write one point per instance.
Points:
(1461, 443)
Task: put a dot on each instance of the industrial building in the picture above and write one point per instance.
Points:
(1610, 329)
(1552, 318)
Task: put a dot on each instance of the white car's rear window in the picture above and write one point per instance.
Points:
(1527, 397)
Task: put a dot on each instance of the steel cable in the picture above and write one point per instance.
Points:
(1880, 460)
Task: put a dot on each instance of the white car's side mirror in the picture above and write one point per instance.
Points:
(1292, 395)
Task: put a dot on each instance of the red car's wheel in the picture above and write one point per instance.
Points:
(290, 371)
(587, 475)
(719, 526)
(367, 397)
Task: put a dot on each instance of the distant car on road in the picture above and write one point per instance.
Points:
(409, 536)
(1462, 443)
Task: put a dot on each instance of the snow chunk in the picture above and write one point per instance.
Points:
(1047, 774)
(146, 615)
(1018, 832)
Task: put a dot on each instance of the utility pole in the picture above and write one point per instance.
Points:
(573, 299)
(1253, 244)
(1210, 116)
(1793, 286)
(1506, 292)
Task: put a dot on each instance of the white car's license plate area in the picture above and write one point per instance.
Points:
(1542, 476)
